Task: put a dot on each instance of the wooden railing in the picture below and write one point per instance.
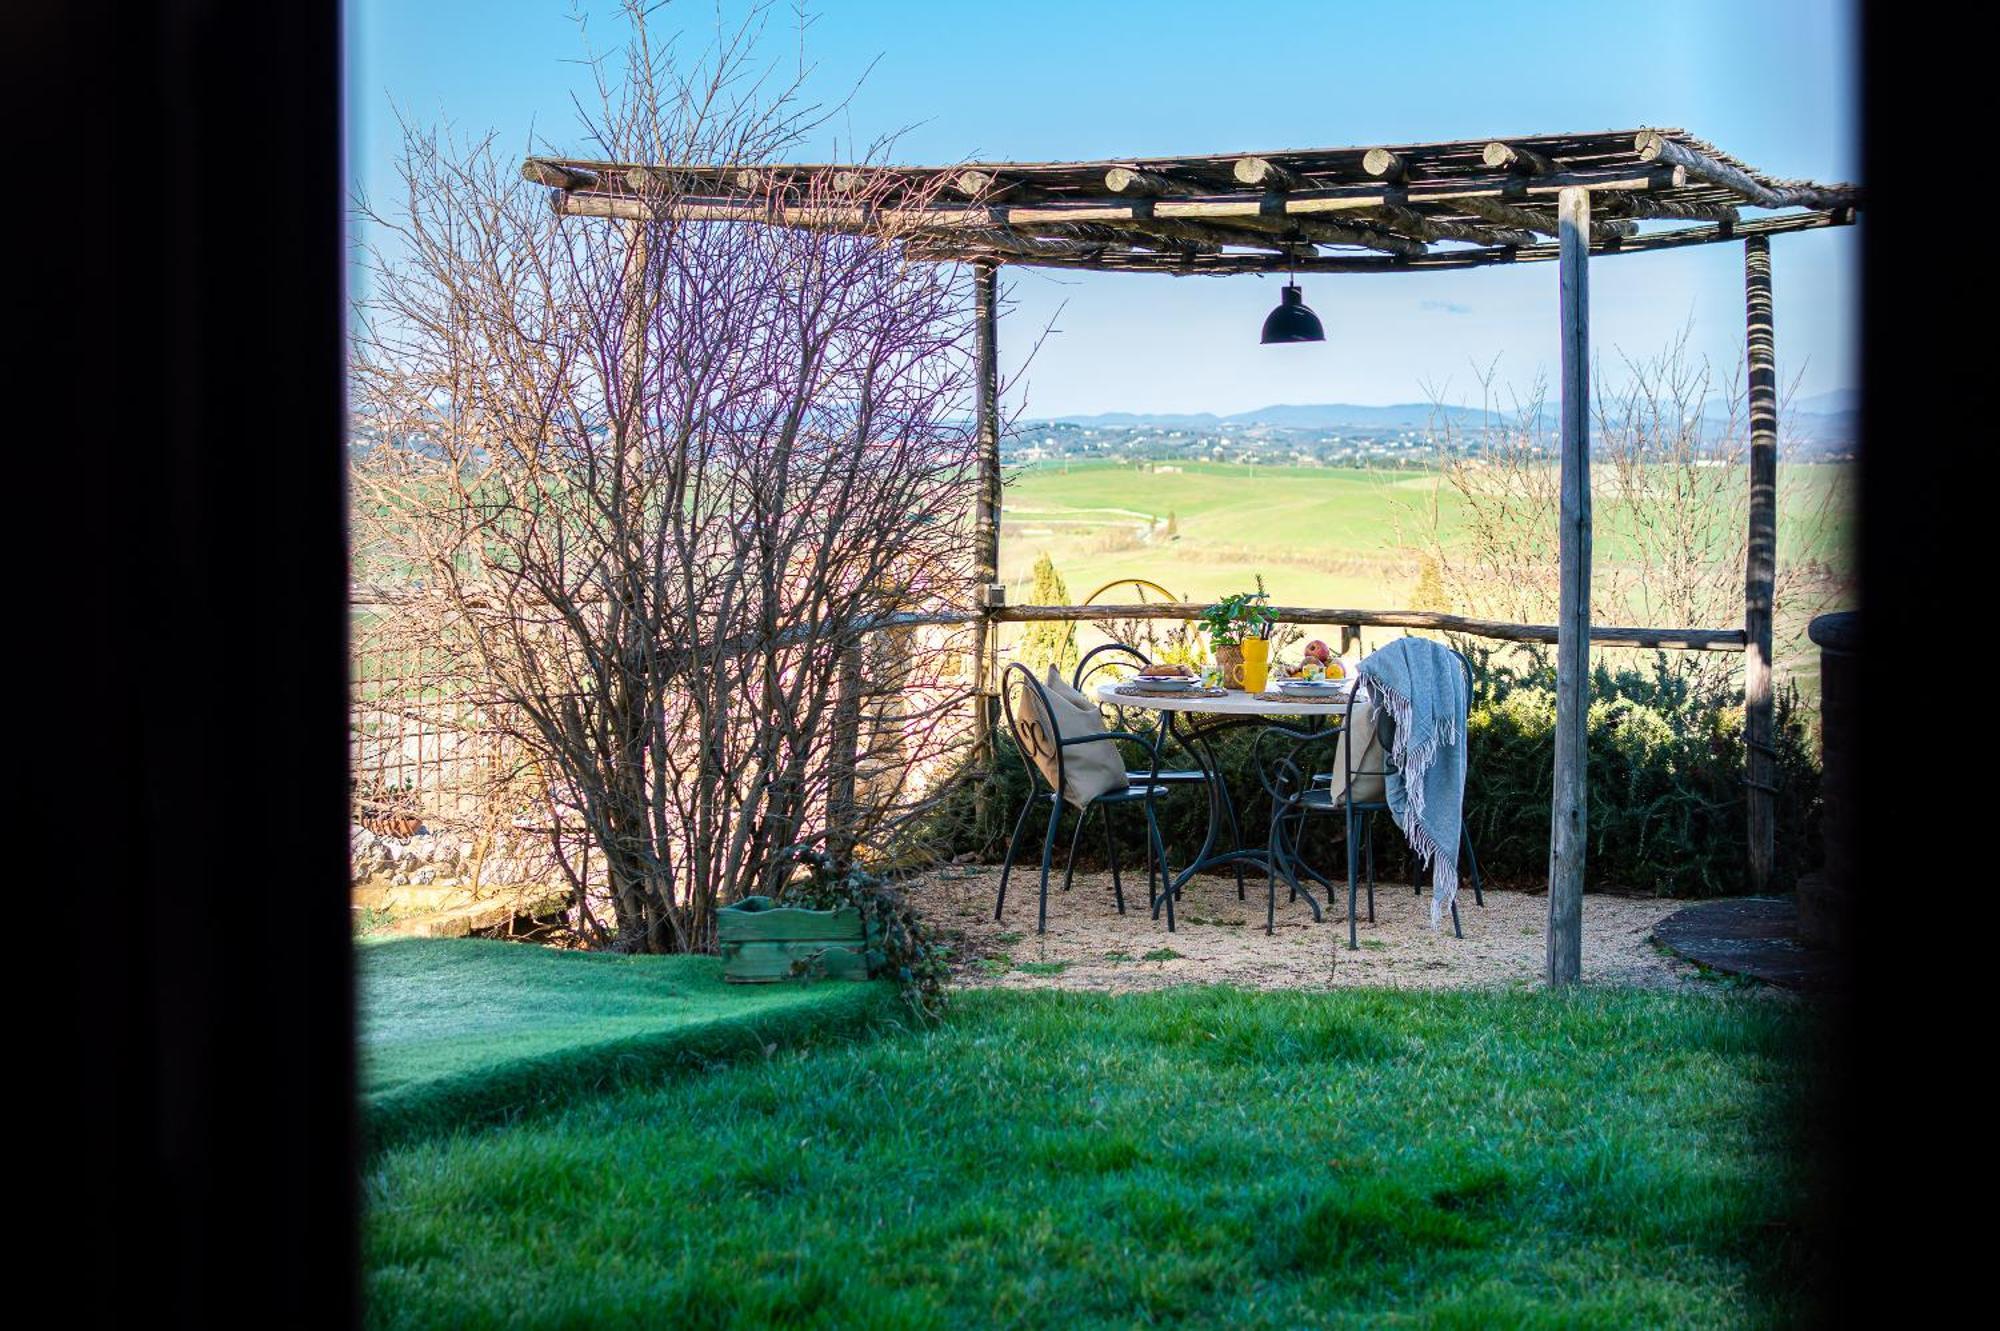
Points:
(1693, 640)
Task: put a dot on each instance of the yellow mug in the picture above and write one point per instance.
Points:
(1256, 664)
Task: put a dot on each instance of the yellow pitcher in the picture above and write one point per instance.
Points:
(1256, 664)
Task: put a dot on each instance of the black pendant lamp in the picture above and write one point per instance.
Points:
(1293, 320)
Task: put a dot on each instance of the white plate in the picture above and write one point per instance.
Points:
(1312, 688)
(1169, 684)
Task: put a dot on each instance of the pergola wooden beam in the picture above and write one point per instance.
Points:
(1511, 157)
(1257, 214)
(1268, 175)
(987, 186)
(1382, 162)
(1718, 178)
(1146, 184)
(945, 247)
(1651, 145)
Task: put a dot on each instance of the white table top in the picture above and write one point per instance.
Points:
(1236, 704)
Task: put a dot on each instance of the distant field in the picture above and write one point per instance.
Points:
(1319, 536)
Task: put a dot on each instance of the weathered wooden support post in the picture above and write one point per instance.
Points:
(1760, 570)
(842, 814)
(1569, 806)
(986, 529)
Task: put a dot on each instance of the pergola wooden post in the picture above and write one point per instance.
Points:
(1760, 568)
(1403, 209)
(986, 518)
(1568, 813)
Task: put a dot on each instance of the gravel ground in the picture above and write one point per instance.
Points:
(1222, 940)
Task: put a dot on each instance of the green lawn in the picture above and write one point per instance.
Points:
(1196, 1157)
(465, 1030)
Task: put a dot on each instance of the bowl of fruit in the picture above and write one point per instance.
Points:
(1319, 674)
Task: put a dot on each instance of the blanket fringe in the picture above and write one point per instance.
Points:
(1414, 762)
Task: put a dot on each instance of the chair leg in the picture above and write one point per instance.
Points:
(1013, 845)
(1048, 860)
(1149, 866)
(1166, 870)
(1472, 863)
(1353, 882)
(1082, 817)
(1111, 853)
(1271, 878)
(1292, 880)
(1456, 932)
(1369, 841)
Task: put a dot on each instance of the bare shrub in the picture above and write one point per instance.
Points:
(645, 490)
(1670, 506)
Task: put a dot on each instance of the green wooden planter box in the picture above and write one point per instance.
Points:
(762, 942)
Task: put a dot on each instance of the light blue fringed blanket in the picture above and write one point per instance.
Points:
(1421, 704)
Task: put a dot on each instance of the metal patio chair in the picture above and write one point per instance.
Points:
(1297, 794)
(1038, 734)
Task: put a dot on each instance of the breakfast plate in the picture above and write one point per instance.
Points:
(1313, 688)
(1166, 683)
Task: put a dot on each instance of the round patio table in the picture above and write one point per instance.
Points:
(1201, 719)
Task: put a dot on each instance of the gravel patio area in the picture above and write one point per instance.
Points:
(1222, 940)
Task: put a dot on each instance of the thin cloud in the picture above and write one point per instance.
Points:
(1445, 307)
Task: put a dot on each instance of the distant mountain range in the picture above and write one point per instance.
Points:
(1826, 419)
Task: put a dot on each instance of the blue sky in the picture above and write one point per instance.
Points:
(1772, 81)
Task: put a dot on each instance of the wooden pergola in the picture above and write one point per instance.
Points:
(1383, 209)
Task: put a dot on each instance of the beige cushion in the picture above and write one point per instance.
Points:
(1089, 770)
(1062, 688)
(1368, 785)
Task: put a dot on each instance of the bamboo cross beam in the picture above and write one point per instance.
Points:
(1430, 226)
(1209, 234)
(1645, 205)
(1321, 232)
(1434, 227)
(1506, 214)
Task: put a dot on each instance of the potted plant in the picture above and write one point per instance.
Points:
(1239, 630)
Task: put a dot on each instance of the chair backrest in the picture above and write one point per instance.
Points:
(1375, 759)
(1106, 657)
(1064, 737)
(1033, 724)
(1103, 663)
